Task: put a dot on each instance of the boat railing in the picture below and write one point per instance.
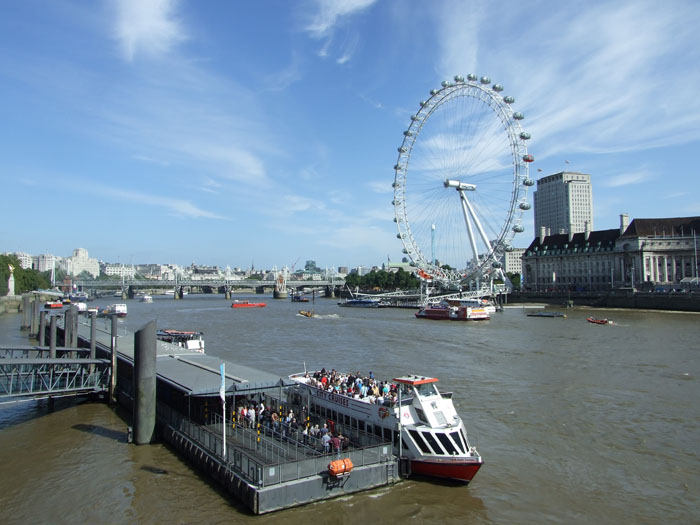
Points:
(265, 457)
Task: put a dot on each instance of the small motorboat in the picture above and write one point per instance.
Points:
(306, 313)
(247, 304)
(598, 321)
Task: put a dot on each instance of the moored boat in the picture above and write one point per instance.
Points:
(53, 305)
(444, 311)
(364, 302)
(247, 304)
(118, 309)
(189, 340)
(409, 411)
(146, 298)
(546, 314)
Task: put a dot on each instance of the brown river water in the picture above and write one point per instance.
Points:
(577, 423)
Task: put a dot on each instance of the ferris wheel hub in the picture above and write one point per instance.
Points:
(459, 185)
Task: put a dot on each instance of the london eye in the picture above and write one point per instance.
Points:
(461, 181)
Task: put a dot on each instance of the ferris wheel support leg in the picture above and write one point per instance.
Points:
(472, 240)
(478, 223)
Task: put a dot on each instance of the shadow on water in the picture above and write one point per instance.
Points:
(98, 430)
(154, 470)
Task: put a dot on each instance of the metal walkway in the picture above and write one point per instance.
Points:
(27, 372)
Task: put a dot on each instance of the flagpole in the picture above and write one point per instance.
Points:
(222, 394)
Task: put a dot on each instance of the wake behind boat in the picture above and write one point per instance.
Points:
(410, 411)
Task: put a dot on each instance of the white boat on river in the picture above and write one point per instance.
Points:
(433, 436)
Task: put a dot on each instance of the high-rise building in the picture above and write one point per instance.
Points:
(564, 204)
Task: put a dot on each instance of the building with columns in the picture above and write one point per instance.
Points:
(649, 251)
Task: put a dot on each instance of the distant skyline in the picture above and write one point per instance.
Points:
(230, 133)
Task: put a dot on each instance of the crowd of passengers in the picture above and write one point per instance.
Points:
(250, 414)
(357, 386)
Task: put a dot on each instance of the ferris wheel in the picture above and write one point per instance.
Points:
(461, 180)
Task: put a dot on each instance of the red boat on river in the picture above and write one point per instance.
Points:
(247, 304)
(598, 321)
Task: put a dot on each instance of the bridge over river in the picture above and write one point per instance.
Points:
(178, 287)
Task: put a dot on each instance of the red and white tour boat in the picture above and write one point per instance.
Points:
(433, 436)
(247, 304)
(460, 312)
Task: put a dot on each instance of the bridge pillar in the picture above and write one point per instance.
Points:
(26, 312)
(76, 320)
(42, 328)
(227, 293)
(52, 338)
(36, 307)
(330, 292)
(93, 336)
(67, 327)
(130, 292)
(113, 373)
(145, 383)
(259, 289)
(124, 294)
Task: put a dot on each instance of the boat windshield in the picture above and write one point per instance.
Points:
(426, 389)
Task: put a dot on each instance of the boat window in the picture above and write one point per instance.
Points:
(420, 442)
(458, 441)
(387, 434)
(421, 415)
(426, 389)
(431, 440)
(446, 443)
(440, 417)
(378, 431)
(347, 419)
(361, 425)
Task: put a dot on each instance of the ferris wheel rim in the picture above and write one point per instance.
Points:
(488, 94)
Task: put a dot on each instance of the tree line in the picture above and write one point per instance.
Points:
(383, 280)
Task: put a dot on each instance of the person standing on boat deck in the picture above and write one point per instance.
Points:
(326, 441)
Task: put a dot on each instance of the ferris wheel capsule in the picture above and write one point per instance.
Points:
(459, 78)
(524, 206)
(397, 167)
(498, 87)
(433, 92)
(528, 158)
(408, 133)
(508, 99)
(528, 182)
(472, 77)
(401, 149)
(485, 80)
(524, 135)
(518, 228)
(422, 103)
(518, 116)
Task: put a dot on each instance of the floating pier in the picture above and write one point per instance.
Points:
(267, 467)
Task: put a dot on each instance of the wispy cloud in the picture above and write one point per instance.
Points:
(626, 179)
(588, 79)
(176, 207)
(147, 27)
(328, 16)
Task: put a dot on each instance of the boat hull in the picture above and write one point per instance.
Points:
(462, 471)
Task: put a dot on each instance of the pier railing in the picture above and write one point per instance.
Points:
(262, 458)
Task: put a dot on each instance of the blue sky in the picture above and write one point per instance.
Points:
(226, 133)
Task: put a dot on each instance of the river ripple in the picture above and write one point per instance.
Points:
(576, 422)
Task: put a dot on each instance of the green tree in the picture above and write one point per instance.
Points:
(515, 279)
(26, 280)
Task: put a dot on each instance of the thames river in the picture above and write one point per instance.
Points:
(577, 423)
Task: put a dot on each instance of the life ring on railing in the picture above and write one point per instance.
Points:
(383, 412)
